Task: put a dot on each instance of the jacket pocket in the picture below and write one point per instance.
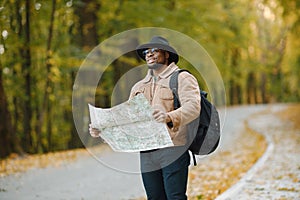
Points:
(166, 99)
(166, 94)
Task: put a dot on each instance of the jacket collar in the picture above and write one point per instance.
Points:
(168, 71)
(164, 74)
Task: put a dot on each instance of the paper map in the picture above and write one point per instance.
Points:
(130, 126)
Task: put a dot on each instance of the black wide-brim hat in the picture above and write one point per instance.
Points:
(161, 43)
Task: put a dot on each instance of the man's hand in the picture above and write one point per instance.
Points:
(93, 131)
(161, 116)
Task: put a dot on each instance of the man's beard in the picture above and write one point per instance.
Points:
(155, 66)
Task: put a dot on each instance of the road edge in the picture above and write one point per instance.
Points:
(258, 164)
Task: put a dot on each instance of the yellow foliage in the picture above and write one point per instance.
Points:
(17, 164)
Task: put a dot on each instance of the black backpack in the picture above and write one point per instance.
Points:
(204, 131)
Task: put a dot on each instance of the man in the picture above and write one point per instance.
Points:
(165, 171)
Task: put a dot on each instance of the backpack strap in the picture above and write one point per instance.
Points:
(173, 84)
(174, 87)
(194, 159)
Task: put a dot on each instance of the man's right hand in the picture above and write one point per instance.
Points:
(93, 131)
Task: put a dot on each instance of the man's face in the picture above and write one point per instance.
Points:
(155, 57)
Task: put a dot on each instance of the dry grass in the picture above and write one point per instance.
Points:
(17, 164)
(291, 114)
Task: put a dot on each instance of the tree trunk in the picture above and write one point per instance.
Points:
(9, 142)
(119, 69)
(74, 141)
(251, 89)
(5, 125)
(278, 91)
(87, 12)
(26, 68)
(235, 88)
(88, 38)
(235, 92)
(263, 88)
(45, 109)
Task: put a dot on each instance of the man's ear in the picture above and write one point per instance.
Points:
(167, 55)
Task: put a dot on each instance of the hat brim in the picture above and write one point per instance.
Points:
(173, 57)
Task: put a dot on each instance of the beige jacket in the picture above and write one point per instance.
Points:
(159, 94)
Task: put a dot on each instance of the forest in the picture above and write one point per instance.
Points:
(254, 43)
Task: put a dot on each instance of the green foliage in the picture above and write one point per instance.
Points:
(252, 42)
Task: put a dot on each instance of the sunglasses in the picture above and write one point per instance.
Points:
(153, 50)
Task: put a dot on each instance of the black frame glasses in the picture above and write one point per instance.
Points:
(152, 50)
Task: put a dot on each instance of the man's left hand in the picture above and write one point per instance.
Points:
(161, 116)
